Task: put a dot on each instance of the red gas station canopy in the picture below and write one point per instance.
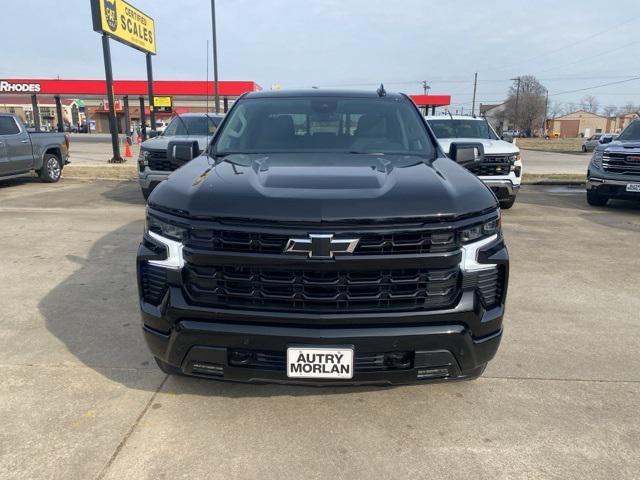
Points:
(123, 87)
(431, 100)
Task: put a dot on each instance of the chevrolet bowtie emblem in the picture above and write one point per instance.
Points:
(321, 246)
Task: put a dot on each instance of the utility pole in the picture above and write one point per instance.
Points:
(473, 104)
(546, 109)
(425, 89)
(215, 56)
(517, 118)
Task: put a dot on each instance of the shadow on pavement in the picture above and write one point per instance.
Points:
(94, 312)
(620, 214)
(125, 192)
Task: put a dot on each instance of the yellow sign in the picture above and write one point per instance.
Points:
(162, 102)
(125, 23)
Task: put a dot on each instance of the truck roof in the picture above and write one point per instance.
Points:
(455, 117)
(318, 92)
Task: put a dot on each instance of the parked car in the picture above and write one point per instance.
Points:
(352, 251)
(161, 126)
(614, 170)
(22, 152)
(592, 142)
(154, 165)
(501, 168)
(509, 135)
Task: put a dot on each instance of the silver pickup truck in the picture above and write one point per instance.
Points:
(22, 152)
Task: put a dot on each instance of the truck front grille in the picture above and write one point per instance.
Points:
(492, 166)
(409, 242)
(158, 161)
(621, 163)
(323, 291)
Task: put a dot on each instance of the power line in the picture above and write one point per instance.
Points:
(596, 86)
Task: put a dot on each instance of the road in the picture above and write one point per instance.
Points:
(542, 163)
(81, 398)
(84, 152)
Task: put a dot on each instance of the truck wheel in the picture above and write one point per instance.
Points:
(507, 203)
(166, 368)
(584, 149)
(595, 199)
(51, 169)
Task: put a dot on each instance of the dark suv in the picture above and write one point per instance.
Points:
(324, 238)
(614, 170)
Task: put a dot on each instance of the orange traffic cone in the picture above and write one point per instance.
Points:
(127, 150)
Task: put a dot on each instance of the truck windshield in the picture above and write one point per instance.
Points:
(447, 128)
(192, 126)
(631, 133)
(319, 124)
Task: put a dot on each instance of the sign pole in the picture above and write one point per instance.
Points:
(143, 120)
(113, 127)
(152, 113)
(36, 112)
(127, 117)
(215, 57)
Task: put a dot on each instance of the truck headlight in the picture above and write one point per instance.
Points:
(480, 231)
(143, 159)
(597, 158)
(171, 236)
(166, 229)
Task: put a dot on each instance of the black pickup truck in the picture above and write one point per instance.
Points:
(614, 170)
(324, 238)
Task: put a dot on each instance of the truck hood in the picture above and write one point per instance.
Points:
(318, 187)
(162, 142)
(620, 147)
(491, 147)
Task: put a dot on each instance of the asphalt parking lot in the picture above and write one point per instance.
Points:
(80, 397)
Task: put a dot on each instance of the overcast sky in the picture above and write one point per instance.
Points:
(569, 45)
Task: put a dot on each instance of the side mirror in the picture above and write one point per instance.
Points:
(181, 152)
(152, 134)
(606, 139)
(466, 153)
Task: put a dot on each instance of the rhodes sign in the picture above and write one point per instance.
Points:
(124, 23)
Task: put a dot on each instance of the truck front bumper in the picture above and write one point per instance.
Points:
(228, 345)
(148, 179)
(254, 353)
(613, 188)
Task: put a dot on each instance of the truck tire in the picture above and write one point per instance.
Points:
(51, 168)
(584, 149)
(507, 203)
(166, 368)
(595, 199)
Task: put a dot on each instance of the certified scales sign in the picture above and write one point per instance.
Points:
(125, 23)
(163, 104)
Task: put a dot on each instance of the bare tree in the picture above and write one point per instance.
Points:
(628, 107)
(609, 110)
(570, 108)
(556, 110)
(525, 105)
(589, 103)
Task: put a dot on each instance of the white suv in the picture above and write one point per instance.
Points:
(501, 169)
